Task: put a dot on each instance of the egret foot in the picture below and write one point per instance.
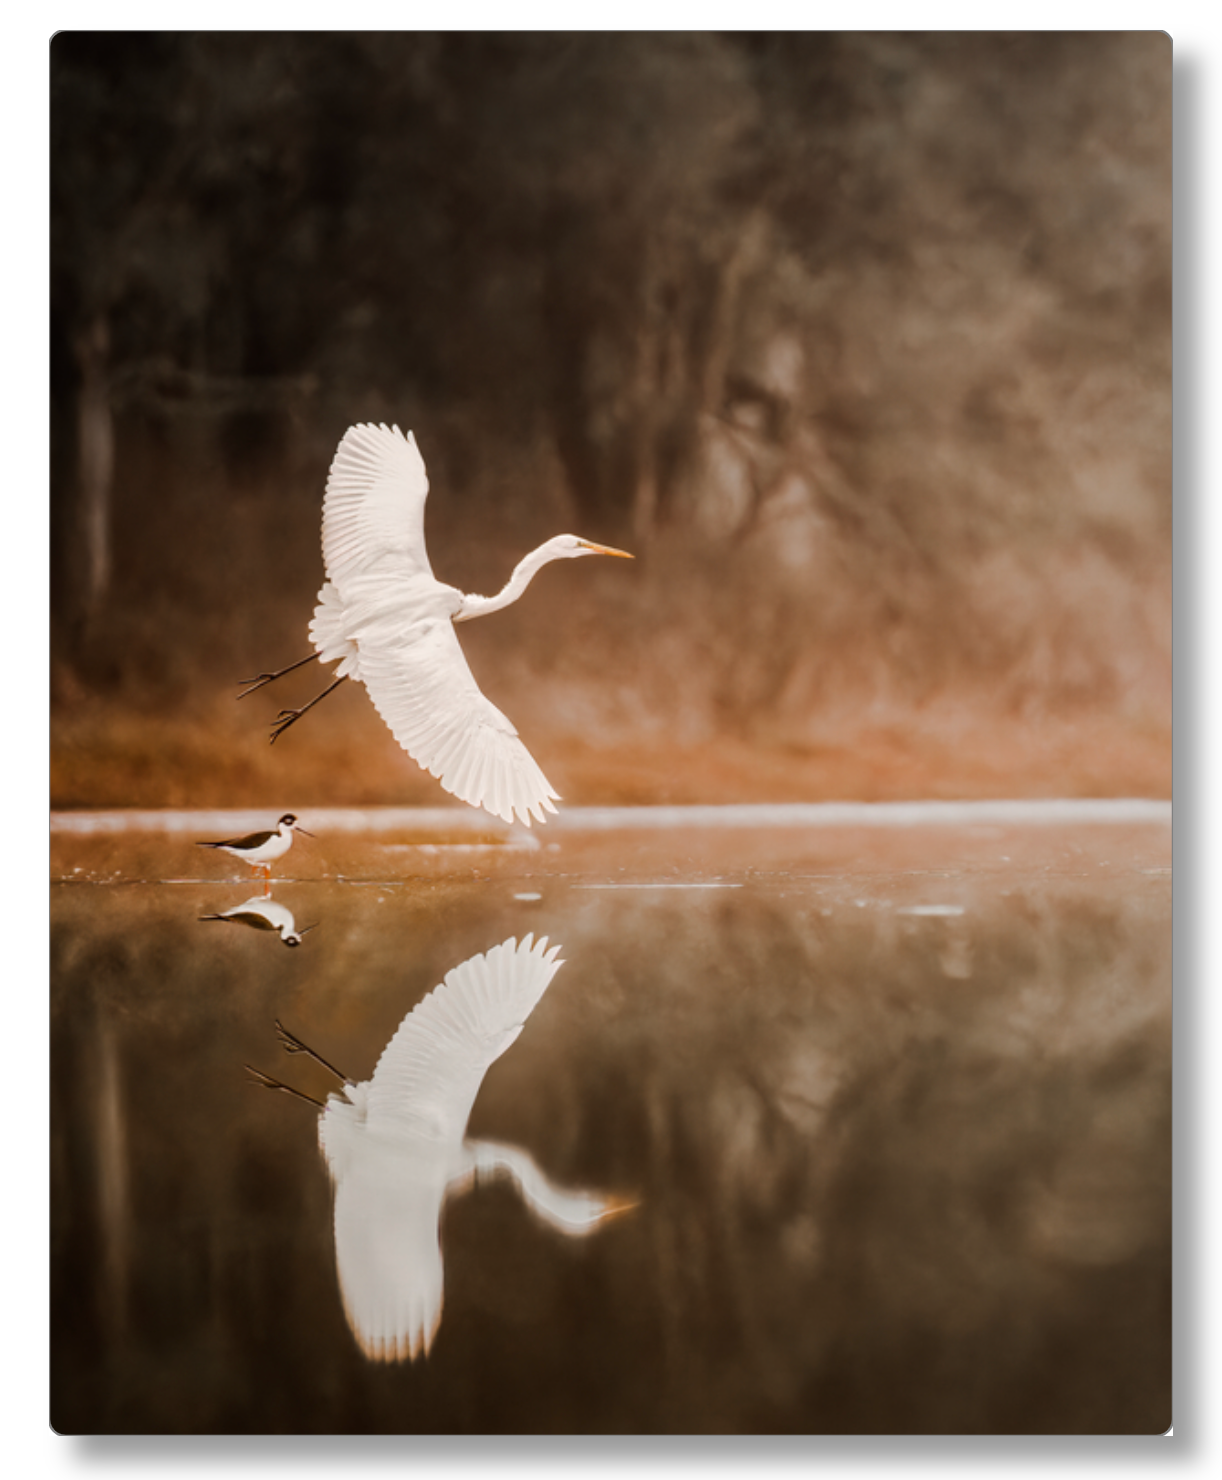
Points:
(266, 678)
(288, 717)
(266, 1080)
(292, 1044)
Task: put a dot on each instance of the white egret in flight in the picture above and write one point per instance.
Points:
(395, 1145)
(388, 622)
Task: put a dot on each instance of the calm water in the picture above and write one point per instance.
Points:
(879, 1117)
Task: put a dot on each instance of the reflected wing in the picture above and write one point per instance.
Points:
(373, 513)
(427, 694)
(427, 1079)
(387, 1255)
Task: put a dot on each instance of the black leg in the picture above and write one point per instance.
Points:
(292, 1044)
(264, 678)
(268, 1082)
(289, 717)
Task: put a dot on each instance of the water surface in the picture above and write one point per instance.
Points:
(882, 1108)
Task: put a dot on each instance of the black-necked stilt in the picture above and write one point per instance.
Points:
(389, 622)
(262, 912)
(396, 1145)
(261, 849)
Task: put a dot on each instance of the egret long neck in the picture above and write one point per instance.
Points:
(523, 573)
(571, 1212)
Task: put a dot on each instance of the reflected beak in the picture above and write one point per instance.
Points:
(617, 1206)
(604, 550)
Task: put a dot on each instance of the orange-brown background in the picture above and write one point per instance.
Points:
(861, 342)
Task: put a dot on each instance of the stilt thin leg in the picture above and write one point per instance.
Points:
(289, 717)
(265, 678)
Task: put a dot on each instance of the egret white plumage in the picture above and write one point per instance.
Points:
(389, 623)
(396, 1150)
(261, 849)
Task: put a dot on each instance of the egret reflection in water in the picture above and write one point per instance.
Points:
(396, 1146)
(262, 912)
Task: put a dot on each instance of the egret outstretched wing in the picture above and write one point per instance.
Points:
(432, 1068)
(397, 1147)
(388, 621)
(427, 694)
(388, 1254)
(373, 513)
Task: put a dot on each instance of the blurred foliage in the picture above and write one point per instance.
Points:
(863, 340)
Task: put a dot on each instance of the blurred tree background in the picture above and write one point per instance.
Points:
(861, 341)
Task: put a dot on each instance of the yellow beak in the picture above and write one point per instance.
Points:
(604, 550)
(616, 1207)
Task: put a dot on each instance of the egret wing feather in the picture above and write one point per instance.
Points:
(388, 1257)
(425, 691)
(432, 1069)
(373, 512)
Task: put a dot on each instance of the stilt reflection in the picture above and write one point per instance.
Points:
(396, 1146)
(262, 912)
